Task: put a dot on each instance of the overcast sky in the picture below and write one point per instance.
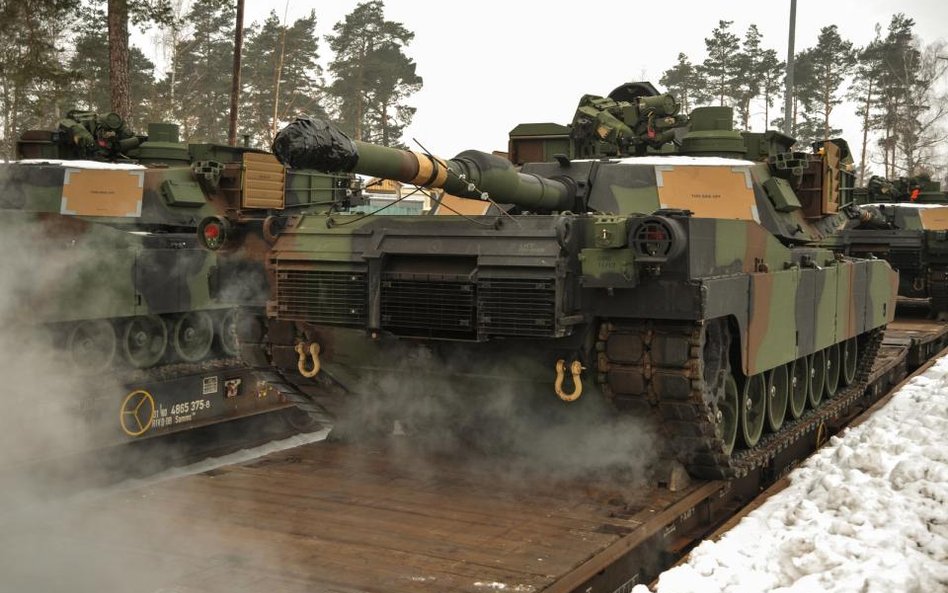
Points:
(488, 65)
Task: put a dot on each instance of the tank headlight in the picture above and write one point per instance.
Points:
(657, 239)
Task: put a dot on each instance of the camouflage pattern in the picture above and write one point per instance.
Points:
(132, 284)
(671, 281)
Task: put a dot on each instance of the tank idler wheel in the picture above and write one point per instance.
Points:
(799, 375)
(727, 414)
(192, 335)
(778, 391)
(92, 345)
(144, 341)
(850, 356)
(753, 409)
(817, 364)
(833, 366)
(227, 333)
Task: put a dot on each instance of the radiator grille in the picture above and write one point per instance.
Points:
(517, 307)
(447, 306)
(432, 308)
(318, 296)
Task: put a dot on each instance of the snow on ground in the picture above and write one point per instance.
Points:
(867, 513)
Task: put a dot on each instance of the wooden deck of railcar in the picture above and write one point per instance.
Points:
(345, 518)
(332, 517)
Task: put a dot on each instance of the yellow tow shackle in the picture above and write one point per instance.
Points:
(575, 369)
(313, 349)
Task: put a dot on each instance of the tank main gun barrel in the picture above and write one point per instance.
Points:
(316, 144)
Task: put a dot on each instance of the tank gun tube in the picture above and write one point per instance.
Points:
(313, 143)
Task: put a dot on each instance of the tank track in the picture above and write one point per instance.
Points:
(255, 354)
(670, 376)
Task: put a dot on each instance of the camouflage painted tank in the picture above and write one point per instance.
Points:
(909, 228)
(682, 282)
(111, 219)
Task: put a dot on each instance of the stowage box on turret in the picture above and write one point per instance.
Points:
(690, 284)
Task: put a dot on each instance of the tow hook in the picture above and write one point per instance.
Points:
(575, 369)
(313, 350)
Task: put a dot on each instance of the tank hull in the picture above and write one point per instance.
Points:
(406, 311)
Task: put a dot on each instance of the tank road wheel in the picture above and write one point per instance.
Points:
(833, 365)
(817, 364)
(192, 335)
(753, 409)
(799, 375)
(850, 356)
(227, 333)
(728, 417)
(778, 391)
(144, 341)
(92, 345)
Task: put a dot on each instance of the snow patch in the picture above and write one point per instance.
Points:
(867, 513)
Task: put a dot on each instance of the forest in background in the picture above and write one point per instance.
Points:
(54, 56)
(896, 83)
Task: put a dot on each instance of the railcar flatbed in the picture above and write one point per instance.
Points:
(372, 518)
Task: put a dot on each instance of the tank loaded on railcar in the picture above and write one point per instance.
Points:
(679, 275)
(909, 229)
(102, 224)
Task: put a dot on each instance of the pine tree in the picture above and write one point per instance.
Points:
(300, 87)
(806, 126)
(396, 79)
(831, 61)
(920, 131)
(372, 75)
(772, 72)
(203, 72)
(119, 13)
(32, 78)
(900, 61)
(721, 68)
(747, 79)
(90, 63)
(685, 82)
(864, 91)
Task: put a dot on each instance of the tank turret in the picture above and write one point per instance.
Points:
(696, 288)
(805, 194)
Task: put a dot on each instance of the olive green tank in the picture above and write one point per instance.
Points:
(109, 219)
(909, 229)
(667, 265)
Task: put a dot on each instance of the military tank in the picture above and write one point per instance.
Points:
(124, 209)
(108, 283)
(909, 229)
(678, 276)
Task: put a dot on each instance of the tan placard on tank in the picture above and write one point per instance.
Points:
(708, 191)
(934, 219)
(102, 192)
